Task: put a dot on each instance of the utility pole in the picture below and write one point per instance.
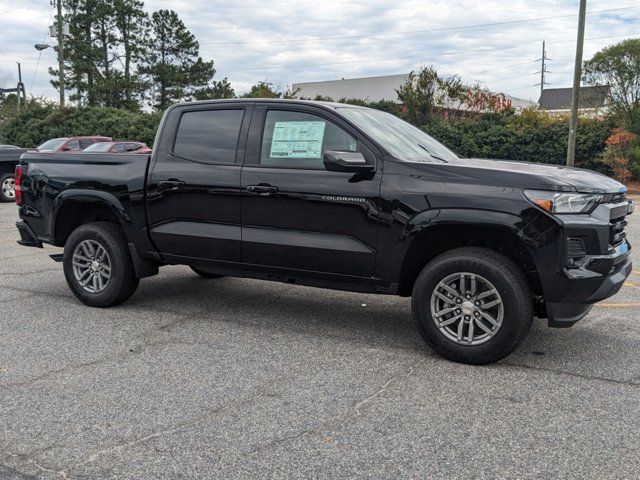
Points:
(575, 93)
(543, 69)
(60, 34)
(20, 89)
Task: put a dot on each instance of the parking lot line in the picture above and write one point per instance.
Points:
(613, 305)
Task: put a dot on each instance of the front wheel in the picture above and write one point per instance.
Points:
(98, 266)
(7, 188)
(472, 305)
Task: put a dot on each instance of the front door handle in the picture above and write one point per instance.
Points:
(171, 184)
(262, 189)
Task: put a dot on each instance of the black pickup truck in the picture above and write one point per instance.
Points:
(342, 197)
(9, 158)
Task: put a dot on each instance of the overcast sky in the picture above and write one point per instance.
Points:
(390, 38)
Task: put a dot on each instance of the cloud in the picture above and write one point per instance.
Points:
(500, 56)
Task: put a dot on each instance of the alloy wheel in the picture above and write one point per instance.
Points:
(9, 187)
(91, 266)
(467, 308)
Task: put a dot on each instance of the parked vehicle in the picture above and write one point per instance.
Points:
(342, 197)
(70, 144)
(9, 157)
(118, 147)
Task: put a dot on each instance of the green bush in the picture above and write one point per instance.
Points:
(530, 136)
(505, 137)
(41, 123)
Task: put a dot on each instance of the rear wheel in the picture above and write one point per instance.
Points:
(98, 266)
(472, 305)
(7, 188)
(204, 273)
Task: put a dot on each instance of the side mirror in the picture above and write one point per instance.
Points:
(336, 161)
(66, 148)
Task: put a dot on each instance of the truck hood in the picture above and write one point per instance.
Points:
(556, 176)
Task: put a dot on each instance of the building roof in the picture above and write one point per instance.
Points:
(372, 89)
(560, 98)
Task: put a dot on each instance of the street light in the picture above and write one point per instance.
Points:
(58, 30)
(43, 46)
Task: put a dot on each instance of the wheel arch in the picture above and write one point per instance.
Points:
(73, 208)
(435, 232)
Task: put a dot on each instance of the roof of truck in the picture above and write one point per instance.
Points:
(333, 105)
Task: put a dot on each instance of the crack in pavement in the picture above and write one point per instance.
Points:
(563, 372)
(180, 427)
(342, 420)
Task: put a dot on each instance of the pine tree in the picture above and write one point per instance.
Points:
(217, 89)
(173, 66)
(131, 23)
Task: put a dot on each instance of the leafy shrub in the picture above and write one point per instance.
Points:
(41, 123)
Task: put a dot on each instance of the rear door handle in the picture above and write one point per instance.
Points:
(172, 184)
(262, 189)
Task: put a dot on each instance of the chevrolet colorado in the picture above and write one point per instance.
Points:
(342, 197)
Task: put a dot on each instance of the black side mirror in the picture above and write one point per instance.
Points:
(335, 161)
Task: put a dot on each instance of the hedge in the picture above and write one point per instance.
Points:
(532, 136)
(31, 128)
(497, 136)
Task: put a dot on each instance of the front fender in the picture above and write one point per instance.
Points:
(427, 233)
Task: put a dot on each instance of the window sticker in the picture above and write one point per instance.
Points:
(297, 140)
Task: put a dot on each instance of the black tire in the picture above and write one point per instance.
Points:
(204, 273)
(5, 195)
(508, 280)
(122, 282)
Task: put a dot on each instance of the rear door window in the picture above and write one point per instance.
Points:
(85, 142)
(209, 136)
(73, 145)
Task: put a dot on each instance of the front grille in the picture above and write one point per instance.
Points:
(618, 222)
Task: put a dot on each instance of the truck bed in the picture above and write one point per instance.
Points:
(51, 177)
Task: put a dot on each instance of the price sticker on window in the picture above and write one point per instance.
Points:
(297, 140)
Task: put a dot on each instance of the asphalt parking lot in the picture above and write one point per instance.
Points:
(234, 378)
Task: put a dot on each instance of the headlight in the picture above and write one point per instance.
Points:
(563, 202)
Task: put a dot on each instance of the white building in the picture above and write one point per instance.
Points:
(371, 89)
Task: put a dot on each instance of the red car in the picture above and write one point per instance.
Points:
(118, 147)
(70, 144)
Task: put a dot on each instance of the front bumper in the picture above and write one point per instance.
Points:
(600, 277)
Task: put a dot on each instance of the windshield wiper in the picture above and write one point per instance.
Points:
(432, 155)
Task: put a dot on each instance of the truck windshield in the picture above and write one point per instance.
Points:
(53, 144)
(399, 138)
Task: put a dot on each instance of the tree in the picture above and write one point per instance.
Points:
(262, 89)
(619, 67)
(80, 52)
(418, 94)
(104, 35)
(174, 69)
(131, 23)
(217, 89)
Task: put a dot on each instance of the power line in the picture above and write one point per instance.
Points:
(456, 52)
(44, 39)
(412, 32)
